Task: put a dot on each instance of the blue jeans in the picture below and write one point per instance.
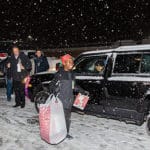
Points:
(9, 88)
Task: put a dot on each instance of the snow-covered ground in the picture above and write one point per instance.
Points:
(19, 130)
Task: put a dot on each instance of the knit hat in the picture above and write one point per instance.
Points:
(64, 58)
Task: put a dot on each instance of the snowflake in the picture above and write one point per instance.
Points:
(112, 30)
(106, 6)
(83, 29)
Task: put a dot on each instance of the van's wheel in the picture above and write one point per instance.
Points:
(36, 90)
(140, 122)
(40, 98)
(143, 107)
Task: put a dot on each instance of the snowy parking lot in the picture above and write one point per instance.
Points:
(19, 130)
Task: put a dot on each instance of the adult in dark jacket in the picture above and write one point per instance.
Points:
(41, 63)
(20, 65)
(63, 86)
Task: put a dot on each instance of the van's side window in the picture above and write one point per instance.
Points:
(127, 63)
(93, 64)
(145, 65)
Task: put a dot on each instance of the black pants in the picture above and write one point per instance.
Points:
(68, 118)
(19, 89)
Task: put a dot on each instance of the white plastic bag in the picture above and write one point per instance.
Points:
(52, 121)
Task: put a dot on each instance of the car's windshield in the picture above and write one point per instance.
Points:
(31, 54)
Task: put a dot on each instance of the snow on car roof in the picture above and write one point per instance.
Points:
(121, 48)
(133, 48)
(28, 50)
(99, 51)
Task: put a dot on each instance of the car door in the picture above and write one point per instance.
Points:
(88, 78)
(123, 86)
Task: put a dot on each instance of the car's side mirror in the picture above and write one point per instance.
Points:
(74, 68)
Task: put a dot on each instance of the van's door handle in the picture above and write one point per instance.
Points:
(89, 81)
(97, 82)
(134, 84)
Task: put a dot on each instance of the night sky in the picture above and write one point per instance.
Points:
(69, 23)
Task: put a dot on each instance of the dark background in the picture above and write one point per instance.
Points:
(71, 23)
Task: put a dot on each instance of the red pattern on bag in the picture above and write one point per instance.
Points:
(81, 101)
(52, 121)
(44, 116)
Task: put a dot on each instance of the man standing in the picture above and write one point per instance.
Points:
(41, 63)
(20, 65)
(63, 86)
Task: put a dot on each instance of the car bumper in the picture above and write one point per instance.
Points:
(2, 82)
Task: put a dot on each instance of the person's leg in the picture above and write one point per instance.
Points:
(9, 89)
(16, 85)
(22, 94)
(68, 121)
(68, 118)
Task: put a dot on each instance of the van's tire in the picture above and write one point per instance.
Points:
(40, 98)
(143, 107)
(140, 122)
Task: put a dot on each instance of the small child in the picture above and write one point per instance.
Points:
(63, 85)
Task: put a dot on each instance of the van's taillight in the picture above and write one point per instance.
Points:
(3, 55)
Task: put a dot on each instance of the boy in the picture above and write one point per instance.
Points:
(63, 86)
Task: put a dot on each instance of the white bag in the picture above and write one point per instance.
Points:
(52, 121)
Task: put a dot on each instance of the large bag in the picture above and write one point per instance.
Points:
(81, 101)
(52, 121)
(27, 85)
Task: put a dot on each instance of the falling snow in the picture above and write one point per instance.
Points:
(53, 22)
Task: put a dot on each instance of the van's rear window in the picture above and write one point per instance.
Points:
(145, 65)
(128, 63)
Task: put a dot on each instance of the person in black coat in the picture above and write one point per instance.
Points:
(63, 85)
(41, 63)
(20, 66)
